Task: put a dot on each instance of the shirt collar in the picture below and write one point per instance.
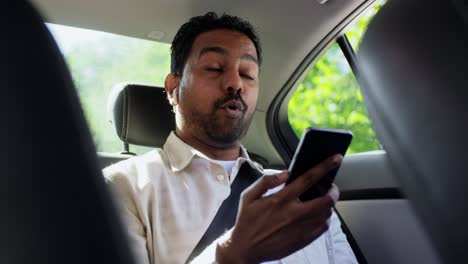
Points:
(180, 154)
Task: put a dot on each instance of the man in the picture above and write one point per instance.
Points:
(172, 196)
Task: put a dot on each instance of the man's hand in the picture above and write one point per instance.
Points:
(275, 226)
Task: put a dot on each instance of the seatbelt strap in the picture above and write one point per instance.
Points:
(226, 216)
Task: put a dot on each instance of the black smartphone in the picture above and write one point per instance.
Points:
(316, 145)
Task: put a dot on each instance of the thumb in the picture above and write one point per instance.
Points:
(262, 185)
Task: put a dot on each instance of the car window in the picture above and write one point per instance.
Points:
(98, 61)
(357, 29)
(329, 95)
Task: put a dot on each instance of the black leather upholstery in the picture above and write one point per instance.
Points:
(55, 206)
(141, 114)
(413, 63)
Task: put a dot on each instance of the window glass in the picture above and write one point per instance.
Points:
(329, 95)
(357, 29)
(97, 62)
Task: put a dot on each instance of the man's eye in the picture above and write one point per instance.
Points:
(243, 75)
(214, 69)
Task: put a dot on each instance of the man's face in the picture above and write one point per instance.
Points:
(219, 88)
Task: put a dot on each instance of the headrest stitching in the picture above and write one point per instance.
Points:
(128, 118)
(122, 133)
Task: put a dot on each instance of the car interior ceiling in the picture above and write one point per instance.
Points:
(59, 210)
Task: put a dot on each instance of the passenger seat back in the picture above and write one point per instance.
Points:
(56, 207)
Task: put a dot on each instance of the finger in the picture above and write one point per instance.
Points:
(334, 193)
(319, 209)
(262, 185)
(315, 218)
(310, 177)
(327, 200)
(323, 202)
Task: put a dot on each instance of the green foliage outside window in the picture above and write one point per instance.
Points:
(329, 96)
(98, 61)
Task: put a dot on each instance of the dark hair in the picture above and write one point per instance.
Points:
(183, 40)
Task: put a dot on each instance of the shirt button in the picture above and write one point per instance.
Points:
(220, 177)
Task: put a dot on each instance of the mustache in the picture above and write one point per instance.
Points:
(230, 96)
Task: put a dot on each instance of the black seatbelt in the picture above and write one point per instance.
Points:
(227, 213)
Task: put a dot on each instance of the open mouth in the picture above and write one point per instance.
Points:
(233, 105)
(233, 108)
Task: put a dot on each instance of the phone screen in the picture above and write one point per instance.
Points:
(316, 145)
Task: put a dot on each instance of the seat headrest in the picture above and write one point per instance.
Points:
(55, 219)
(413, 77)
(141, 114)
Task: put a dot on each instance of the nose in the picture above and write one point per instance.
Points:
(233, 82)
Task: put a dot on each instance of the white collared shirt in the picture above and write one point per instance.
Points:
(170, 196)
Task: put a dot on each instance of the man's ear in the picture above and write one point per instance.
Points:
(170, 85)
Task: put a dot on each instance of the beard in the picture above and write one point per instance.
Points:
(218, 129)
